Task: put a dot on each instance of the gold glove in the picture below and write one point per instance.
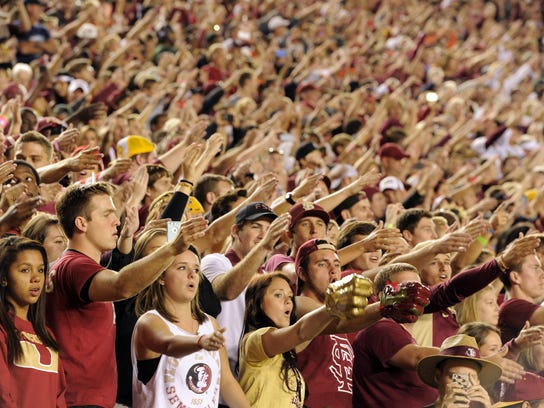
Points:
(348, 297)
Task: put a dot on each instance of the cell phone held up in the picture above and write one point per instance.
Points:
(461, 379)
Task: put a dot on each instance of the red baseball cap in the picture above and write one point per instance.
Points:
(307, 209)
(392, 150)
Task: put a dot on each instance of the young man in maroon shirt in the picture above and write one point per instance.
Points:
(81, 291)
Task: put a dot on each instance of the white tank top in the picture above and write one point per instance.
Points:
(188, 382)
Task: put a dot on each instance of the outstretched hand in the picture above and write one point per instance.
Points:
(348, 297)
(519, 249)
(213, 341)
(404, 302)
(275, 231)
(189, 231)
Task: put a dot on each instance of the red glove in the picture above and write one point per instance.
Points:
(404, 302)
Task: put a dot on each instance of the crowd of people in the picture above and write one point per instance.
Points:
(248, 203)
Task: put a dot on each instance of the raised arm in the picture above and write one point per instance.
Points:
(229, 285)
(453, 242)
(85, 159)
(332, 200)
(388, 239)
(109, 285)
(345, 299)
(218, 231)
(278, 341)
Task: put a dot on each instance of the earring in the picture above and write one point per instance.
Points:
(4, 283)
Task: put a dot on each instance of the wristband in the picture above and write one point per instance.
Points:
(186, 185)
(198, 341)
(289, 198)
(389, 225)
(482, 240)
(183, 181)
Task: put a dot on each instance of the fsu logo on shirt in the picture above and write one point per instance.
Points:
(199, 378)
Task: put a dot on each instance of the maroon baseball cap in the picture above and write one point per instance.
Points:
(392, 150)
(310, 247)
(50, 123)
(305, 86)
(307, 209)
(276, 261)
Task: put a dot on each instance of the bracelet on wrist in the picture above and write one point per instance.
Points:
(190, 187)
(198, 341)
(289, 198)
(183, 181)
(502, 265)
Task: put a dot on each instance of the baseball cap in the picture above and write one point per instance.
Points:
(194, 207)
(78, 84)
(87, 31)
(309, 247)
(38, 2)
(304, 150)
(51, 123)
(305, 86)
(12, 90)
(277, 22)
(276, 261)
(307, 209)
(254, 211)
(392, 150)
(349, 202)
(132, 145)
(391, 183)
(370, 191)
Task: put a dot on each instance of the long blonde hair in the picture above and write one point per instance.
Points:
(467, 310)
(152, 297)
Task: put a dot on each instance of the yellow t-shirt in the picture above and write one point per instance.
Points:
(261, 377)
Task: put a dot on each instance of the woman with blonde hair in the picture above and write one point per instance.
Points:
(482, 306)
(176, 346)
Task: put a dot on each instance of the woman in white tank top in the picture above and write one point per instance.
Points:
(178, 353)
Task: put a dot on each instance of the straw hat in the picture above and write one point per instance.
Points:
(459, 347)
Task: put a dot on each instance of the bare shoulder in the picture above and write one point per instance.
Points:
(152, 322)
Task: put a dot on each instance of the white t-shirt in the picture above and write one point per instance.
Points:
(232, 311)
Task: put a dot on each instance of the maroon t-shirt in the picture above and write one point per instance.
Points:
(35, 380)
(376, 383)
(512, 317)
(444, 326)
(85, 331)
(326, 365)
